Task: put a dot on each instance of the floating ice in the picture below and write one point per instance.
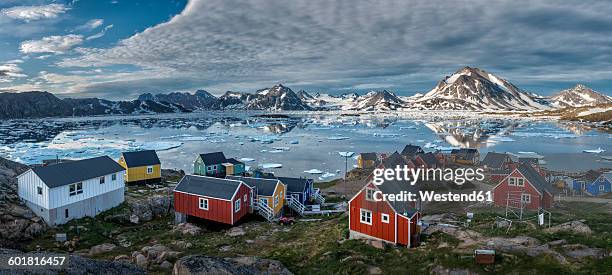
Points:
(326, 176)
(594, 151)
(271, 165)
(346, 154)
(337, 138)
(281, 148)
(275, 151)
(160, 145)
(246, 159)
(294, 142)
(313, 171)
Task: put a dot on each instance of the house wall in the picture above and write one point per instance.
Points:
(140, 173)
(89, 207)
(593, 187)
(378, 229)
(27, 184)
(361, 163)
(500, 192)
(281, 192)
(245, 202)
(60, 196)
(218, 210)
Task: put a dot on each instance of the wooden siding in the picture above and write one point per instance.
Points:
(218, 210)
(60, 196)
(27, 189)
(280, 188)
(377, 229)
(500, 193)
(140, 173)
(245, 205)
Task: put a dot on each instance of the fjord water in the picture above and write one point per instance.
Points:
(299, 142)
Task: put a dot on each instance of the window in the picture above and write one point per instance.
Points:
(209, 168)
(366, 216)
(149, 169)
(526, 198)
(512, 181)
(369, 194)
(237, 206)
(102, 180)
(245, 198)
(263, 201)
(601, 188)
(114, 177)
(214, 167)
(75, 188)
(66, 214)
(203, 204)
(520, 182)
(39, 190)
(384, 218)
(276, 200)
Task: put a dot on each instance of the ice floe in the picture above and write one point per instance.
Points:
(271, 165)
(313, 171)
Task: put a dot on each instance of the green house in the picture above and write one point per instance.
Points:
(216, 165)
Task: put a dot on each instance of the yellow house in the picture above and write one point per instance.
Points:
(366, 160)
(268, 191)
(141, 167)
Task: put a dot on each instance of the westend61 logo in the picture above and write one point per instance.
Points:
(413, 175)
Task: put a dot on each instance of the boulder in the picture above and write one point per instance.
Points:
(102, 248)
(243, 265)
(579, 251)
(235, 231)
(187, 229)
(141, 260)
(166, 265)
(573, 226)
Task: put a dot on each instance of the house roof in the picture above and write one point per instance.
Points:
(394, 160)
(233, 161)
(208, 186)
(410, 150)
(429, 159)
(535, 178)
(607, 176)
(265, 187)
(465, 152)
(368, 156)
(529, 160)
(295, 184)
(396, 187)
(65, 173)
(591, 175)
(494, 160)
(140, 158)
(213, 158)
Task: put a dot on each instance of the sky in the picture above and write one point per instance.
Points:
(118, 49)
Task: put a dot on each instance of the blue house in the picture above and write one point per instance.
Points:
(580, 184)
(300, 188)
(601, 185)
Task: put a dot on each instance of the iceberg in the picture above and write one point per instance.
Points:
(313, 171)
(326, 176)
(246, 159)
(337, 138)
(594, 151)
(271, 165)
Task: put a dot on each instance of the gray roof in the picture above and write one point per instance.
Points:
(140, 158)
(297, 185)
(430, 159)
(529, 160)
(368, 156)
(208, 186)
(410, 150)
(233, 161)
(535, 178)
(65, 173)
(607, 176)
(465, 153)
(213, 158)
(265, 187)
(395, 187)
(394, 160)
(494, 160)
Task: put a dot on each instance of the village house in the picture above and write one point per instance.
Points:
(269, 195)
(427, 160)
(497, 165)
(223, 201)
(411, 151)
(468, 156)
(300, 189)
(580, 184)
(366, 160)
(64, 191)
(141, 167)
(395, 222)
(601, 185)
(217, 165)
(525, 188)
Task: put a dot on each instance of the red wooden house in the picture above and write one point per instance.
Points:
(390, 221)
(526, 186)
(214, 199)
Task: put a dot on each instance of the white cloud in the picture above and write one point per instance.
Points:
(100, 34)
(91, 24)
(51, 44)
(10, 71)
(31, 13)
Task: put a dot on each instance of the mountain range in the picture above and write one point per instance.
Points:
(467, 89)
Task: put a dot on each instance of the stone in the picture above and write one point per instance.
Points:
(166, 265)
(557, 242)
(101, 248)
(580, 251)
(377, 244)
(235, 231)
(141, 260)
(122, 257)
(187, 229)
(572, 226)
(375, 270)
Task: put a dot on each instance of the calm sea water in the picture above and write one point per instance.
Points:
(298, 143)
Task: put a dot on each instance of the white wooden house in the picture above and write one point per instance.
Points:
(71, 190)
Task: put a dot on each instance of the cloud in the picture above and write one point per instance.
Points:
(100, 34)
(51, 44)
(10, 71)
(338, 44)
(91, 25)
(31, 13)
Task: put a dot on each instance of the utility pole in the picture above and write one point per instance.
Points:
(346, 156)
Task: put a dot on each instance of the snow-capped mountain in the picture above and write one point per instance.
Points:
(200, 100)
(578, 96)
(475, 89)
(275, 98)
(376, 101)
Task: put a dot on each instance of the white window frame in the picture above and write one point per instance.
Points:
(263, 200)
(78, 189)
(203, 203)
(520, 182)
(208, 168)
(102, 179)
(385, 218)
(364, 216)
(276, 200)
(149, 170)
(214, 167)
(526, 198)
(237, 206)
(39, 190)
(114, 177)
(512, 181)
(367, 196)
(602, 187)
(245, 198)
